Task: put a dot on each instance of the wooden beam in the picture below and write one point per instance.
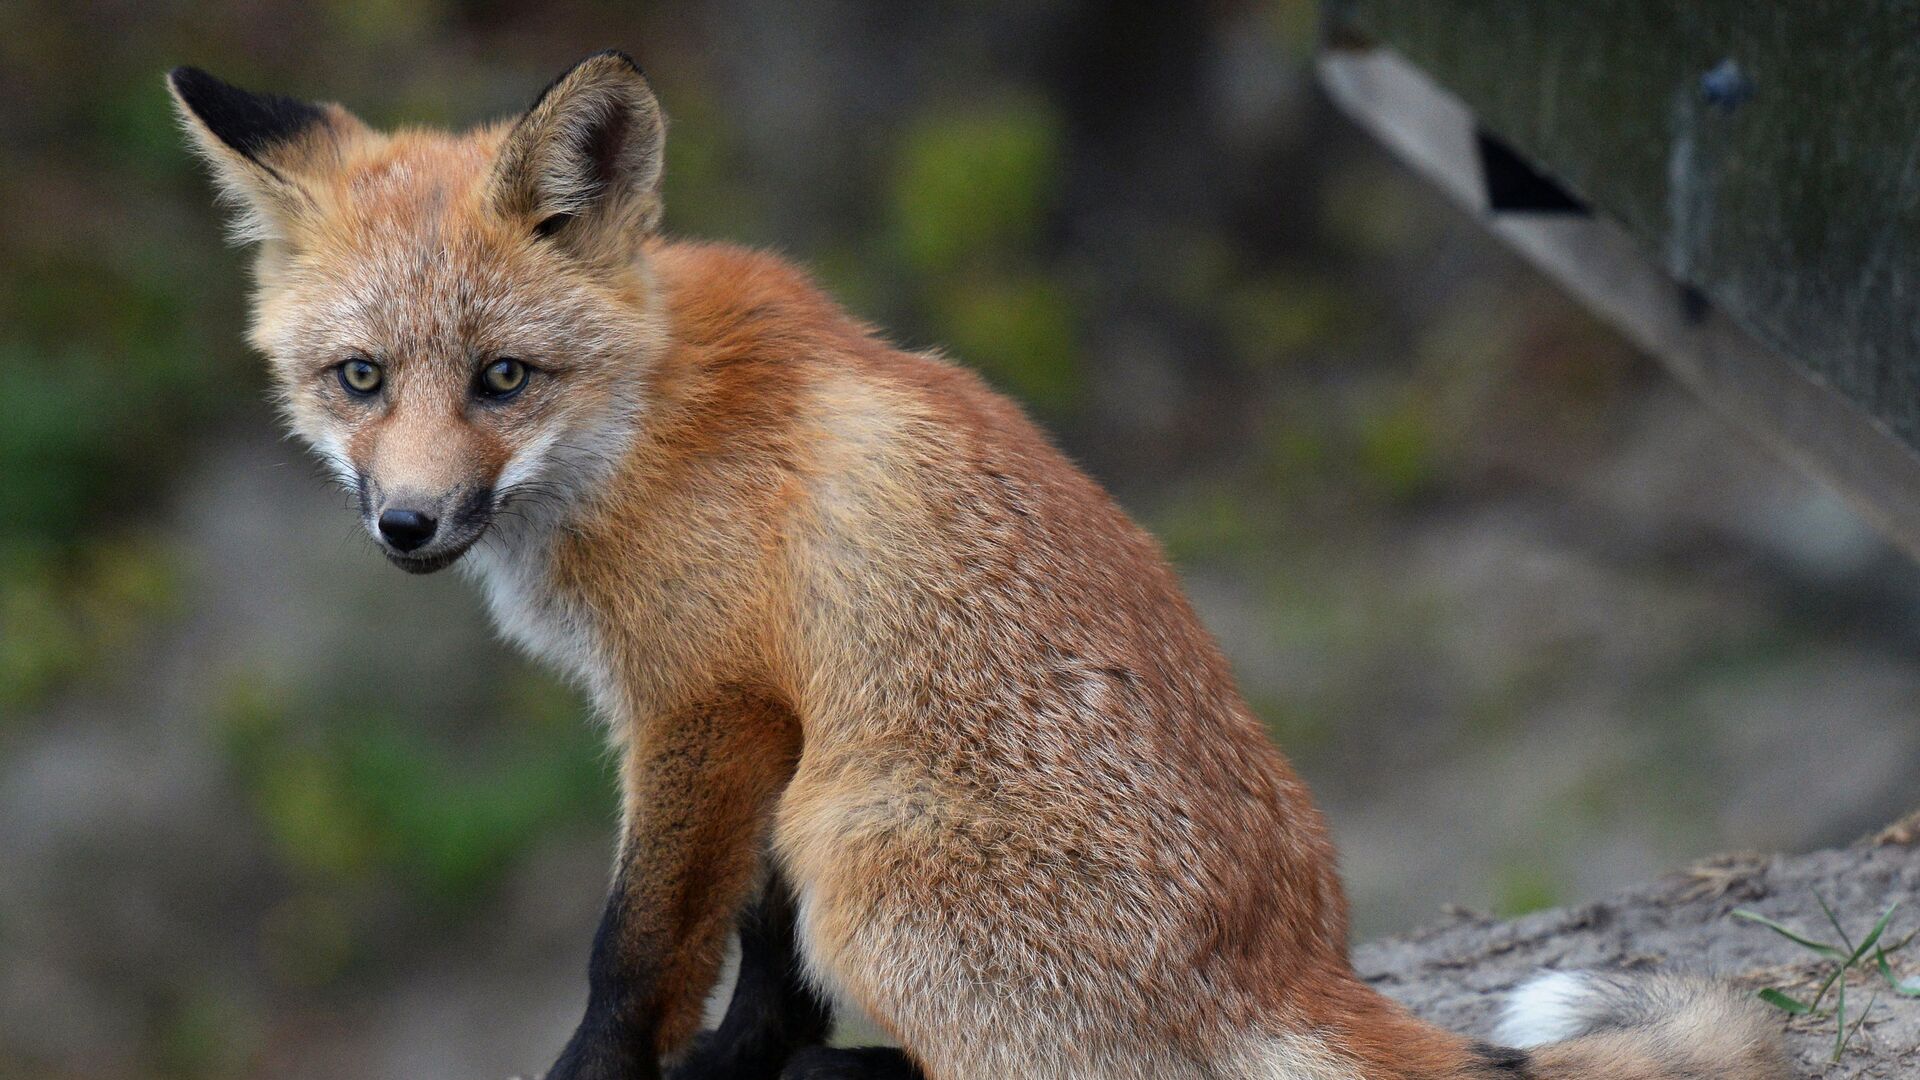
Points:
(1830, 434)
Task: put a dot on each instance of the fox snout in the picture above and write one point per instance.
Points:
(421, 533)
(427, 474)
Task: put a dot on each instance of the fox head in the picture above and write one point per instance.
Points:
(458, 324)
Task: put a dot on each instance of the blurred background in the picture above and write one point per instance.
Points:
(1532, 622)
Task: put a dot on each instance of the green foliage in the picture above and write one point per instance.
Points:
(1293, 24)
(1208, 522)
(1018, 330)
(349, 793)
(973, 185)
(203, 1035)
(60, 616)
(1521, 887)
(1299, 726)
(705, 189)
(110, 372)
(383, 22)
(970, 194)
(1396, 447)
(1276, 318)
(1869, 957)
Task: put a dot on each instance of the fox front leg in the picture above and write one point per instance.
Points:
(699, 788)
(777, 1022)
(774, 1010)
(616, 1038)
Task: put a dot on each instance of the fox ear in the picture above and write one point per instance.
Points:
(261, 147)
(582, 167)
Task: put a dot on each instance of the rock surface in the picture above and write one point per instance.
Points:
(1456, 973)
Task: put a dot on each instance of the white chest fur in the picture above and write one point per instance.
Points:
(516, 575)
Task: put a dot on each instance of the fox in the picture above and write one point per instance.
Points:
(913, 722)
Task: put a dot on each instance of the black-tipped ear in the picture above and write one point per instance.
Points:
(262, 147)
(247, 122)
(583, 166)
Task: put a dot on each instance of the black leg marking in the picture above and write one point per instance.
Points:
(773, 1012)
(610, 1043)
(865, 1063)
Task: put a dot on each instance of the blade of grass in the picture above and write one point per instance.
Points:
(1856, 1026)
(1870, 952)
(1826, 985)
(1783, 1002)
(1840, 1021)
(1834, 919)
(1873, 935)
(1820, 947)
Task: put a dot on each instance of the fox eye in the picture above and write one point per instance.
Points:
(361, 377)
(502, 379)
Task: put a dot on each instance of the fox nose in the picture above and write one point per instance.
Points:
(406, 529)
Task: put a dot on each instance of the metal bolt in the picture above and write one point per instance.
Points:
(1726, 87)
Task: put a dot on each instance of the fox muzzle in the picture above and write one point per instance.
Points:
(422, 533)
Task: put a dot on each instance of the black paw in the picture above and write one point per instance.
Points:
(862, 1063)
(715, 1057)
(601, 1051)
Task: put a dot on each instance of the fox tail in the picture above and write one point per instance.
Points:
(1577, 1025)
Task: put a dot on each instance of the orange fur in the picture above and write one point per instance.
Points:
(840, 603)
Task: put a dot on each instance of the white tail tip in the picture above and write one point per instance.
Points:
(1547, 1008)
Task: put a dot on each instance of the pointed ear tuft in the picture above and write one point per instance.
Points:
(246, 122)
(582, 167)
(261, 147)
